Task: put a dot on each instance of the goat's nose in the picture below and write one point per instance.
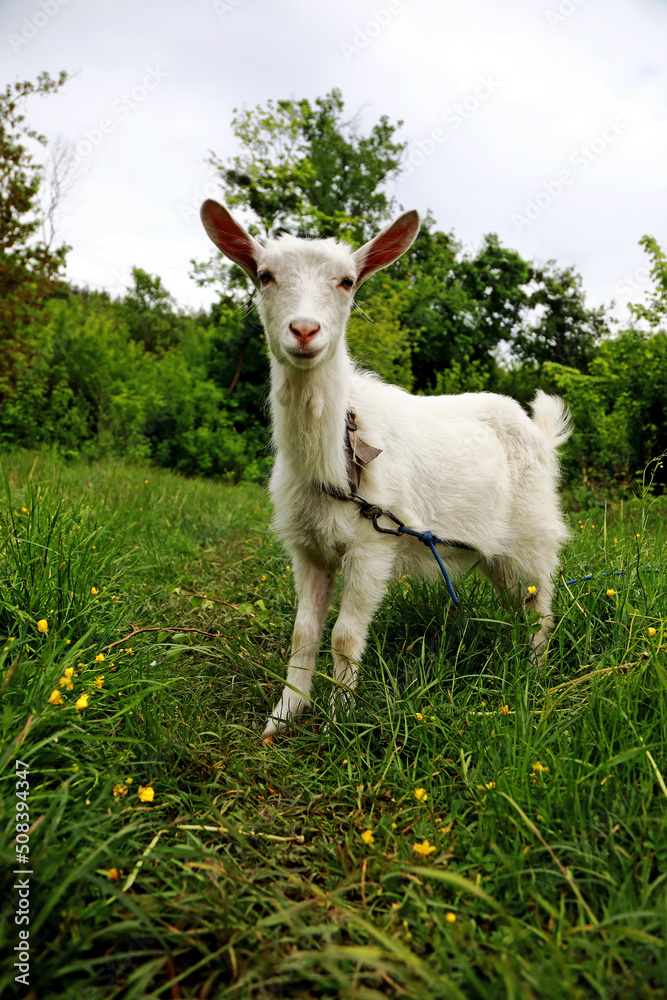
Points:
(304, 329)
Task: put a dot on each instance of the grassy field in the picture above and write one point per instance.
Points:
(474, 829)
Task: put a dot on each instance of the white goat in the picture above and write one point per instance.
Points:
(473, 468)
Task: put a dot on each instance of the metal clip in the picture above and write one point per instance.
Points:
(373, 512)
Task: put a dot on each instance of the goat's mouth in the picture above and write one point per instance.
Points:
(304, 353)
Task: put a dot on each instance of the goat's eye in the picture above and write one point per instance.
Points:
(347, 283)
(265, 277)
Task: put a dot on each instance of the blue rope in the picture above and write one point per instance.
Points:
(591, 576)
(373, 512)
(428, 538)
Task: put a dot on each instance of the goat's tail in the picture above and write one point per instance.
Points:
(552, 417)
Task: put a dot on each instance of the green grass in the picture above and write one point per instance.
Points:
(247, 875)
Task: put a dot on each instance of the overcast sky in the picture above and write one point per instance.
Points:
(544, 122)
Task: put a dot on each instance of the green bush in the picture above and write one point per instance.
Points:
(92, 390)
(195, 401)
(620, 418)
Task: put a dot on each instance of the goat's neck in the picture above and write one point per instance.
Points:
(309, 409)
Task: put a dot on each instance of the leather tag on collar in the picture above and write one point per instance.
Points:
(359, 452)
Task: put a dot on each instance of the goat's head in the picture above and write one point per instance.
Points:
(305, 287)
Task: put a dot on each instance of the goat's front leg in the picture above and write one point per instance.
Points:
(313, 584)
(365, 576)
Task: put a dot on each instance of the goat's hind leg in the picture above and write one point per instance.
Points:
(541, 605)
(499, 572)
(313, 586)
(508, 584)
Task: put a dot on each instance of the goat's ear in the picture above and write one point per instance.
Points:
(230, 237)
(387, 246)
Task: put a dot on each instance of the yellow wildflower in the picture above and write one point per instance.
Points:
(55, 698)
(490, 784)
(119, 790)
(42, 625)
(99, 658)
(420, 794)
(113, 874)
(81, 702)
(69, 672)
(367, 837)
(94, 590)
(424, 848)
(99, 681)
(66, 682)
(539, 768)
(505, 710)
(532, 590)
(145, 793)
(651, 631)
(419, 717)
(610, 592)
(262, 578)
(450, 918)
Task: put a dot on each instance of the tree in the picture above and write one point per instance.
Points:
(562, 330)
(376, 333)
(29, 267)
(620, 418)
(459, 308)
(655, 312)
(149, 311)
(309, 169)
(60, 176)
